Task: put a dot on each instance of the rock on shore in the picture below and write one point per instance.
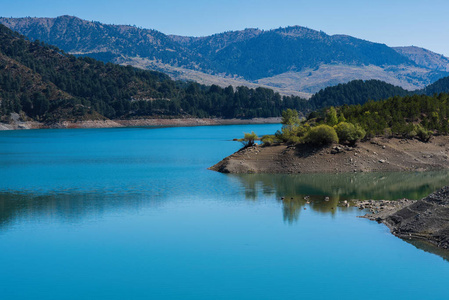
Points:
(381, 209)
(426, 219)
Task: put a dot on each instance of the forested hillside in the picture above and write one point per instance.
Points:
(439, 86)
(360, 92)
(48, 85)
(401, 115)
(416, 116)
(355, 92)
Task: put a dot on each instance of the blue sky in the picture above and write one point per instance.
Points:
(394, 22)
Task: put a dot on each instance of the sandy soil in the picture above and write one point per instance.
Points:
(378, 154)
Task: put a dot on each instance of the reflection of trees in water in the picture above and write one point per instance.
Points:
(291, 209)
(70, 207)
(377, 186)
(338, 187)
(292, 206)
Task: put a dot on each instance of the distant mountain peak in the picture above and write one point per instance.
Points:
(290, 58)
(69, 17)
(300, 32)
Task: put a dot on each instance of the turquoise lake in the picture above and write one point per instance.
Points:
(134, 213)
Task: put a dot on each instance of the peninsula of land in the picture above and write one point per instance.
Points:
(376, 155)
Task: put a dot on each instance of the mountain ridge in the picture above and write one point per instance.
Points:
(290, 60)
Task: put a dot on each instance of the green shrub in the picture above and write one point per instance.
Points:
(360, 131)
(302, 130)
(349, 133)
(387, 132)
(290, 117)
(286, 134)
(269, 139)
(411, 131)
(422, 133)
(321, 135)
(331, 117)
(293, 133)
(248, 139)
(341, 117)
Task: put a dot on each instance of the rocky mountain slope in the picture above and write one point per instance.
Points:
(425, 58)
(290, 60)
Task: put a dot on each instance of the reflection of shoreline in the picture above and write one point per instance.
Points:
(327, 193)
(292, 206)
(323, 192)
(68, 207)
(427, 247)
(361, 186)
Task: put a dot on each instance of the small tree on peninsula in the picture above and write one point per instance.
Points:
(249, 139)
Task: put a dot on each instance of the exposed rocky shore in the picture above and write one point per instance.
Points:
(426, 220)
(381, 209)
(16, 123)
(376, 155)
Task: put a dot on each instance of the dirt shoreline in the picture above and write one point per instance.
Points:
(15, 125)
(376, 155)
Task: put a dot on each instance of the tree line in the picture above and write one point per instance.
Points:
(411, 116)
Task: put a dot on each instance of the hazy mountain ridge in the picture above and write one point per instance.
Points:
(255, 54)
(79, 36)
(425, 58)
(289, 60)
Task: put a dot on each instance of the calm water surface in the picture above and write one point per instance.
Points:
(135, 214)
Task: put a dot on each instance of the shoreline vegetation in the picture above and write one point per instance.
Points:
(408, 133)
